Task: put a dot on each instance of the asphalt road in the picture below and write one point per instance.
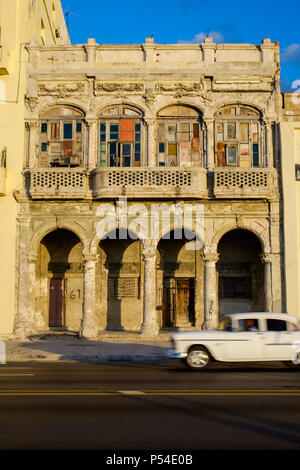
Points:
(83, 406)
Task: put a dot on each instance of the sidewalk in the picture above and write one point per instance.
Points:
(67, 347)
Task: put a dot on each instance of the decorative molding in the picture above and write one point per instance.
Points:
(61, 90)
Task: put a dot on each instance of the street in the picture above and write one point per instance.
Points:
(130, 406)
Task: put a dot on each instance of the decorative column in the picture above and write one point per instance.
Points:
(268, 144)
(266, 259)
(89, 326)
(24, 324)
(210, 152)
(210, 290)
(150, 322)
(91, 147)
(151, 147)
(33, 127)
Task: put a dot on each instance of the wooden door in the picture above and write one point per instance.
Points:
(56, 302)
(178, 302)
(184, 301)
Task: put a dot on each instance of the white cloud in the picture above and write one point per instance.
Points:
(199, 37)
(291, 53)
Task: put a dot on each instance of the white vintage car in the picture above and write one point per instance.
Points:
(241, 337)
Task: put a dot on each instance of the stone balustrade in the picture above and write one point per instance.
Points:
(45, 183)
(146, 182)
(245, 182)
(150, 182)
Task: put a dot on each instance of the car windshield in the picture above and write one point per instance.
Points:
(225, 324)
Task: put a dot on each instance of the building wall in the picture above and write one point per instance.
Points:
(68, 183)
(20, 24)
(290, 148)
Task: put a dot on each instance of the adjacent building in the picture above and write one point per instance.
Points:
(290, 162)
(21, 21)
(125, 145)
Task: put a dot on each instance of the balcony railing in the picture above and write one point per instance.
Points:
(77, 183)
(57, 183)
(245, 182)
(149, 182)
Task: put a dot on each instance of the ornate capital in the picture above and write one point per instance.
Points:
(149, 249)
(210, 257)
(266, 258)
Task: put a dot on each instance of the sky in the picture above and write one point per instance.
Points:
(177, 21)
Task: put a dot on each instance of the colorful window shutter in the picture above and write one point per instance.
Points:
(126, 130)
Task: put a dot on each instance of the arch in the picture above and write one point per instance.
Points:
(121, 291)
(96, 239)
(47, 110)
(240, 272)
(174, 109)
(51, 227)
(227, 104)
(60, 282)
(131, 106)
(192, 235)
(177, 280)
(229, 227)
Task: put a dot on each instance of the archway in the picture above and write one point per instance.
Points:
(240, 272)
(120, 288)
(60, 279)
(179, 276)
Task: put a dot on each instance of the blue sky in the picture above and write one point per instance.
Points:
(173, 21)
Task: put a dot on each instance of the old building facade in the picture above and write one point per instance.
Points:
(131, 150)
(290, 171)
(20, 22)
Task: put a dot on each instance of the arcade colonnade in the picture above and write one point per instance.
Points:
(70, 279)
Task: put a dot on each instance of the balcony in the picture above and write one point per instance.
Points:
(154, 182)
(57, 183)
(245, 183)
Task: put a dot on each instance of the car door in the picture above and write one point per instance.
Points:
(245, 343)
(278, 340)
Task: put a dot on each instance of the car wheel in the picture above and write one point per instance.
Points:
(198, 358)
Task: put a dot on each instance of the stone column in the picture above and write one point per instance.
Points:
(150, 322)
(266, 259)
(25, 324)
(89, 327)
(269, 146)
(210, 290)
(210, 150)
(151, 146)
(33, 150)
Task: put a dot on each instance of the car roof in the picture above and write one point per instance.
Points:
(264, 315)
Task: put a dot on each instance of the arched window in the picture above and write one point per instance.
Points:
(121, 137)
(61, 137)
(238, 137)
(180, 137)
